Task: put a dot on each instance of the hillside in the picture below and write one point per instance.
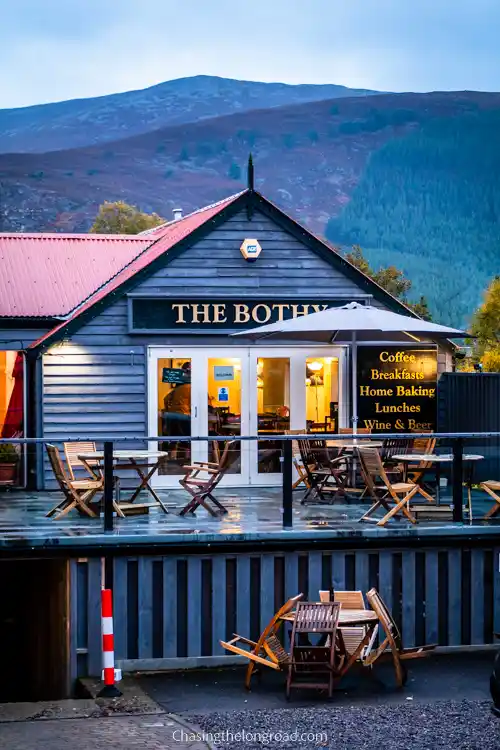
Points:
(411, 177)
(83, 122)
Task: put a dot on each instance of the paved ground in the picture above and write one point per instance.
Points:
(441, 677)
(123, 732)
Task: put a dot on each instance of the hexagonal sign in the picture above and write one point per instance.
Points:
(250, 249)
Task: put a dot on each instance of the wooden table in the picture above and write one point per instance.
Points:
(438, 459)
(351, 618)
(351, 446)
(145, 463)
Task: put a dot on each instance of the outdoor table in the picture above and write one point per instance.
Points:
(134, 460)
(352, 618)
(351, 446)
(438, 459)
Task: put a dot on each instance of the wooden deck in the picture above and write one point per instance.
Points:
(254, 516)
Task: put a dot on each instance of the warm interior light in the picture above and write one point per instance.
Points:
(260, 383)
(328, 360)
(308, 381)
(260, 366)
(315, 366)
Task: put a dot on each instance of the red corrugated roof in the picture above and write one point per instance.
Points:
(48, 275)
(53, 275)
(164, 238)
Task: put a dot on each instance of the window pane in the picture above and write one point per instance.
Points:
(273, 399)
(224, 408)
(322, 394)
(174, 412)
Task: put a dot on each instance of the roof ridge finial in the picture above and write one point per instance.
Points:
(250, 172)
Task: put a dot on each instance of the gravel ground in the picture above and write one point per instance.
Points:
(464, 725)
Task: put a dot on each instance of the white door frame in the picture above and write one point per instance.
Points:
(199, 356)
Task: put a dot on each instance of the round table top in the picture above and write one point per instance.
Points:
(435, 458)
(122, 454)
(360, 443)
(346, 617)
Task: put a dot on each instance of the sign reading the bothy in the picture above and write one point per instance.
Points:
(165, 314)
(397, 388)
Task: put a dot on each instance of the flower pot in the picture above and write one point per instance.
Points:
(8, 472)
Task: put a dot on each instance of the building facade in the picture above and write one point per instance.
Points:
(141, 345)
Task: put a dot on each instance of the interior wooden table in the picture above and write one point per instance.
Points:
(351, 618)
(145, 463)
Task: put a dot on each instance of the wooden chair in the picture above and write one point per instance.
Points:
(492, 488)
(297, 461)
(77, 493)
(267, 651)
(392, 645)
(382, 491)
(309, 663)
(92, 467)
(86, 489)
(417, 472)
(352, 636)
(201, 479)
(326, 474)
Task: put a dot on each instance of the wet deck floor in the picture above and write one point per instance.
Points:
(253, 513)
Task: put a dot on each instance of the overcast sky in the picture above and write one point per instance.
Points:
(62, 49)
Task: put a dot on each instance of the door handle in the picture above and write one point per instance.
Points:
(195, 412)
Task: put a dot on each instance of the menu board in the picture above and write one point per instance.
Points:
(397, 388)
(175, 375)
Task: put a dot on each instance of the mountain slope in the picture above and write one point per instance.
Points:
(82, 122)
(412, 177)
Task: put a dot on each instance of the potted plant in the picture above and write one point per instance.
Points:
(8, 463)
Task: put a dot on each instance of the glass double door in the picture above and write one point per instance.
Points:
(231, 393)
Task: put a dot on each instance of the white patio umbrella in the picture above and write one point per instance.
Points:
(353, 323)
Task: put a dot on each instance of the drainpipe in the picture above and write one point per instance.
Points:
(32, 426)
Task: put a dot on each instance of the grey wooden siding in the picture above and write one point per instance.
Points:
(96, 385)
(173, 610)
(96, 390)
(19, 338)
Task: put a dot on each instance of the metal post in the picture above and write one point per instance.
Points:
(458, 447)
(108, 486)
(287, 484)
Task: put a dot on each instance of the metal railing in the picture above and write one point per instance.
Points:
(457, 442)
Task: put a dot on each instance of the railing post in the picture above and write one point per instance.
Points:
(108, 486)
(287, 484)
(458, 447)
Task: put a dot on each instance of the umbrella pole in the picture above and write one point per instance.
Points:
(354, 381)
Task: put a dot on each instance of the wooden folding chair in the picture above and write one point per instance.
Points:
(267, 651)
(492, 488)
(326, 474)
(352, 636)
(382, 491)
(417, 472)
(92, 467)
(201, 479)
(392, 645)
(77, 493)
(308, 664)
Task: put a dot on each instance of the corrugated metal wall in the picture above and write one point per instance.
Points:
(172, 611)
(470, 402)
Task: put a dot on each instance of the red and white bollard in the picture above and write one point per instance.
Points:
(110, 675)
